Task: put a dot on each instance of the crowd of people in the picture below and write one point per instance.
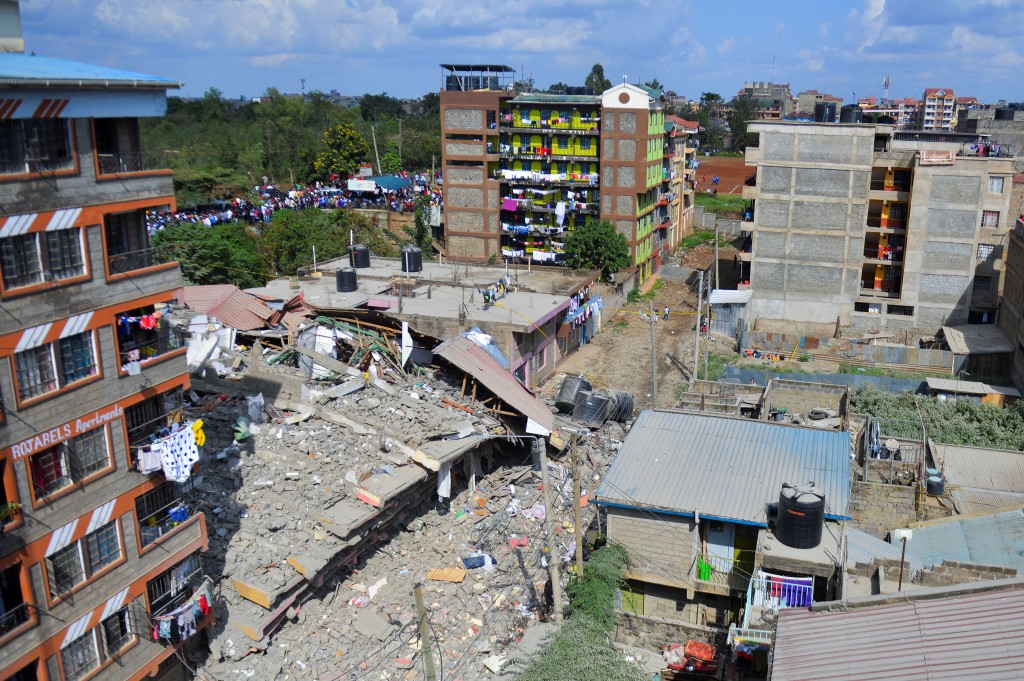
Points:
(266, 200)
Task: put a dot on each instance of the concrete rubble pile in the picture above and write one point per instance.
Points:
(326, 511)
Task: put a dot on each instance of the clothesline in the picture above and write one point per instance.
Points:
(180, 623)
(175, 453)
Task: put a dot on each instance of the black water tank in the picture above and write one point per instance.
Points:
(359, 256)
(801, 516)
(1004, 114)
(825, 112)
(621, 408)
(591, 408)
(346, 279)
(935, 485)
(412, 259)
(851, 113)
(569, 391)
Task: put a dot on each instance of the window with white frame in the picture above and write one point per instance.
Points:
(29, 259)
(80, 657)
(990, 219)
(995, 185)
(80, 560)
(54, 365)
(35, 145)
(68, 462)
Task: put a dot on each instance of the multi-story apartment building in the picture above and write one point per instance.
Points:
(808, 98)
(937, 111)
(774, 100)
(522, 171)
(681, 138)
(95, 554)
(874, 227)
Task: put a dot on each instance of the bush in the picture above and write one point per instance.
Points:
(804, 358)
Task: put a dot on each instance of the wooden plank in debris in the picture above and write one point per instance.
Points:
(328, 362)
(451, 574)
(377, 489)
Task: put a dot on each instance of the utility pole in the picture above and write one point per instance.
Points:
(373, 132)
(553, 575)
(400, 138)
(717, 284)
(654, 361)
(707, 324)
(696, 337)
(425, 648)
(577, 511)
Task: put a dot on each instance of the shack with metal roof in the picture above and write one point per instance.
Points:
(688, 496)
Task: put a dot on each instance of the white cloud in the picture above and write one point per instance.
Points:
(778, 31)
(823, 30)
(866, 26)
(726, 45)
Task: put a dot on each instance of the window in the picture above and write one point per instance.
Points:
(986, 252)
(990, 219)
(159, 511)
(995, 185)
(585, 143)
(117, 145)
(66, 570)
(47, 256)
(982, 284)
(55, 365)
(145, 334)
(117, 631)
(902, 310)
(175, 586)
(72, 461)
(128, 242)
(563, 142)
(79, 561)
(103, 546)
(33, 146)
(80, 657)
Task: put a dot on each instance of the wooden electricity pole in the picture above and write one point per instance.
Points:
(553, 575)
(425, 648)
(696, 339)
(654, 361)
(577, 510)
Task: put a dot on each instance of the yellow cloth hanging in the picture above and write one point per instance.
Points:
(197, 428)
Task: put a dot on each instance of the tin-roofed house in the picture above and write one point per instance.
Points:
(690, 496)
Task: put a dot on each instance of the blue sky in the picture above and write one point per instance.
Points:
(241, 47)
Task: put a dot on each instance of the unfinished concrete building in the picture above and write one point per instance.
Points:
(871, 228)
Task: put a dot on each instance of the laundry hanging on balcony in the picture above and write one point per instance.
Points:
(180, 624)
(560, 212)
(175, 452)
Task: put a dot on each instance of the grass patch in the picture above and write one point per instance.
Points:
(845, 368)
(699, 238)
(636, 296)
(619, 325)
(581, 649)
(717, 362)
(726, 205)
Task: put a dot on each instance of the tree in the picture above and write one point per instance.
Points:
(379, 107)
(346, 149)
(221, 254)
(391, 162)
(744, 110)
(287, 241)
(654, 84)
(596, 80)
(558, 87)
(429, 106)
(597, 246)
(420, 233)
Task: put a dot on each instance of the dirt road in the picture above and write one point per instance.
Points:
(731, 170)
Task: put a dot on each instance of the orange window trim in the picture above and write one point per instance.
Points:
(47, 174)
(38, 502)
(153, 361)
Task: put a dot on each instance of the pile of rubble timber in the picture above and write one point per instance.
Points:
(331, 490)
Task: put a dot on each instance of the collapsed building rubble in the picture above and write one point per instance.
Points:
(334, 484)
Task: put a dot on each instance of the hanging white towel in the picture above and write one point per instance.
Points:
(560, 212)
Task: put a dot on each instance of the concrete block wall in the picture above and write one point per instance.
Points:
(653, 632)
(661, 545)
(960, 572)
(877, 508)
(800, 398)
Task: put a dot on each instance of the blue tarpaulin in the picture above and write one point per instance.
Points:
(390, 182)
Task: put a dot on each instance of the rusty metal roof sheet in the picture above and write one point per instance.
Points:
(474, 360)
(229, 304)
(995, 469)
(722, 467)
(940, 634)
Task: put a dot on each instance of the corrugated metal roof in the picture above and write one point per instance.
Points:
(29, 68)
(995, 469)
(971, 500)
(990, 539)
(863, 548)
(976, 339)
(970, 636)
(232, 306)
(474, 360)
(952, 385)
(723, 467)
(722, 296)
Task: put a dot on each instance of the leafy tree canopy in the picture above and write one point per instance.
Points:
(221, 254)
(744, 110)
(558, 87)
(379, 107)
(287, 242)
(596, 80)
(597, 246)
(391, 162)
(345, 150)
(654, 84)
(429, 106)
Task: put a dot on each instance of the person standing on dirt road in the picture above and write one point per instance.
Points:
(666, 313)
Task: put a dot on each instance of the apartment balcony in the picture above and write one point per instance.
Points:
(889, 224)
(18, 614)
(766, 595)
(883, 255)
(588, 208)
(126, 162)
(127, 245)
(515, 124)
(884, 290)
(544, 154)
(718, 575)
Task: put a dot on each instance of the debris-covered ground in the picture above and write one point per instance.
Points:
(323, 510)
